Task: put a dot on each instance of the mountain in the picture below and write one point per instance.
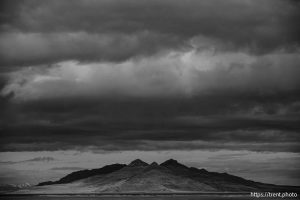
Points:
(140, 177)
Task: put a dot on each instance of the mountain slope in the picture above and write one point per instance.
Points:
(156, 178)
(78, 175)
(219, 181)
(223, 181)
(141, 178)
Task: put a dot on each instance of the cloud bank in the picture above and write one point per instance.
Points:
(150, 75)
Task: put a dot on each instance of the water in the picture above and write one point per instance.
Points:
(193, 197)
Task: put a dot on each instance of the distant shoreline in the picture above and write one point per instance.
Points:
(133, 194)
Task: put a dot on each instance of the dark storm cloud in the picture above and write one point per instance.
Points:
(189, 18)
(118, 30)
(249, 110)
(152, 124)
(150, 75)
(24, 49)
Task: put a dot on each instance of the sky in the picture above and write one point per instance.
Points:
(212, 83)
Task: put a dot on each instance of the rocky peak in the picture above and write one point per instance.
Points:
(172, 163)
(154, 164)
(138, 163)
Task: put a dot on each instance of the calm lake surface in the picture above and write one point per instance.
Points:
(194, 197)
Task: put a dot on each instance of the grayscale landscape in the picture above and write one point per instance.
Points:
(149, 99)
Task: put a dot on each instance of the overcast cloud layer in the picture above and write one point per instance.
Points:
(150, 75)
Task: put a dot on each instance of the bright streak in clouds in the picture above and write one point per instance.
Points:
(184, 73)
